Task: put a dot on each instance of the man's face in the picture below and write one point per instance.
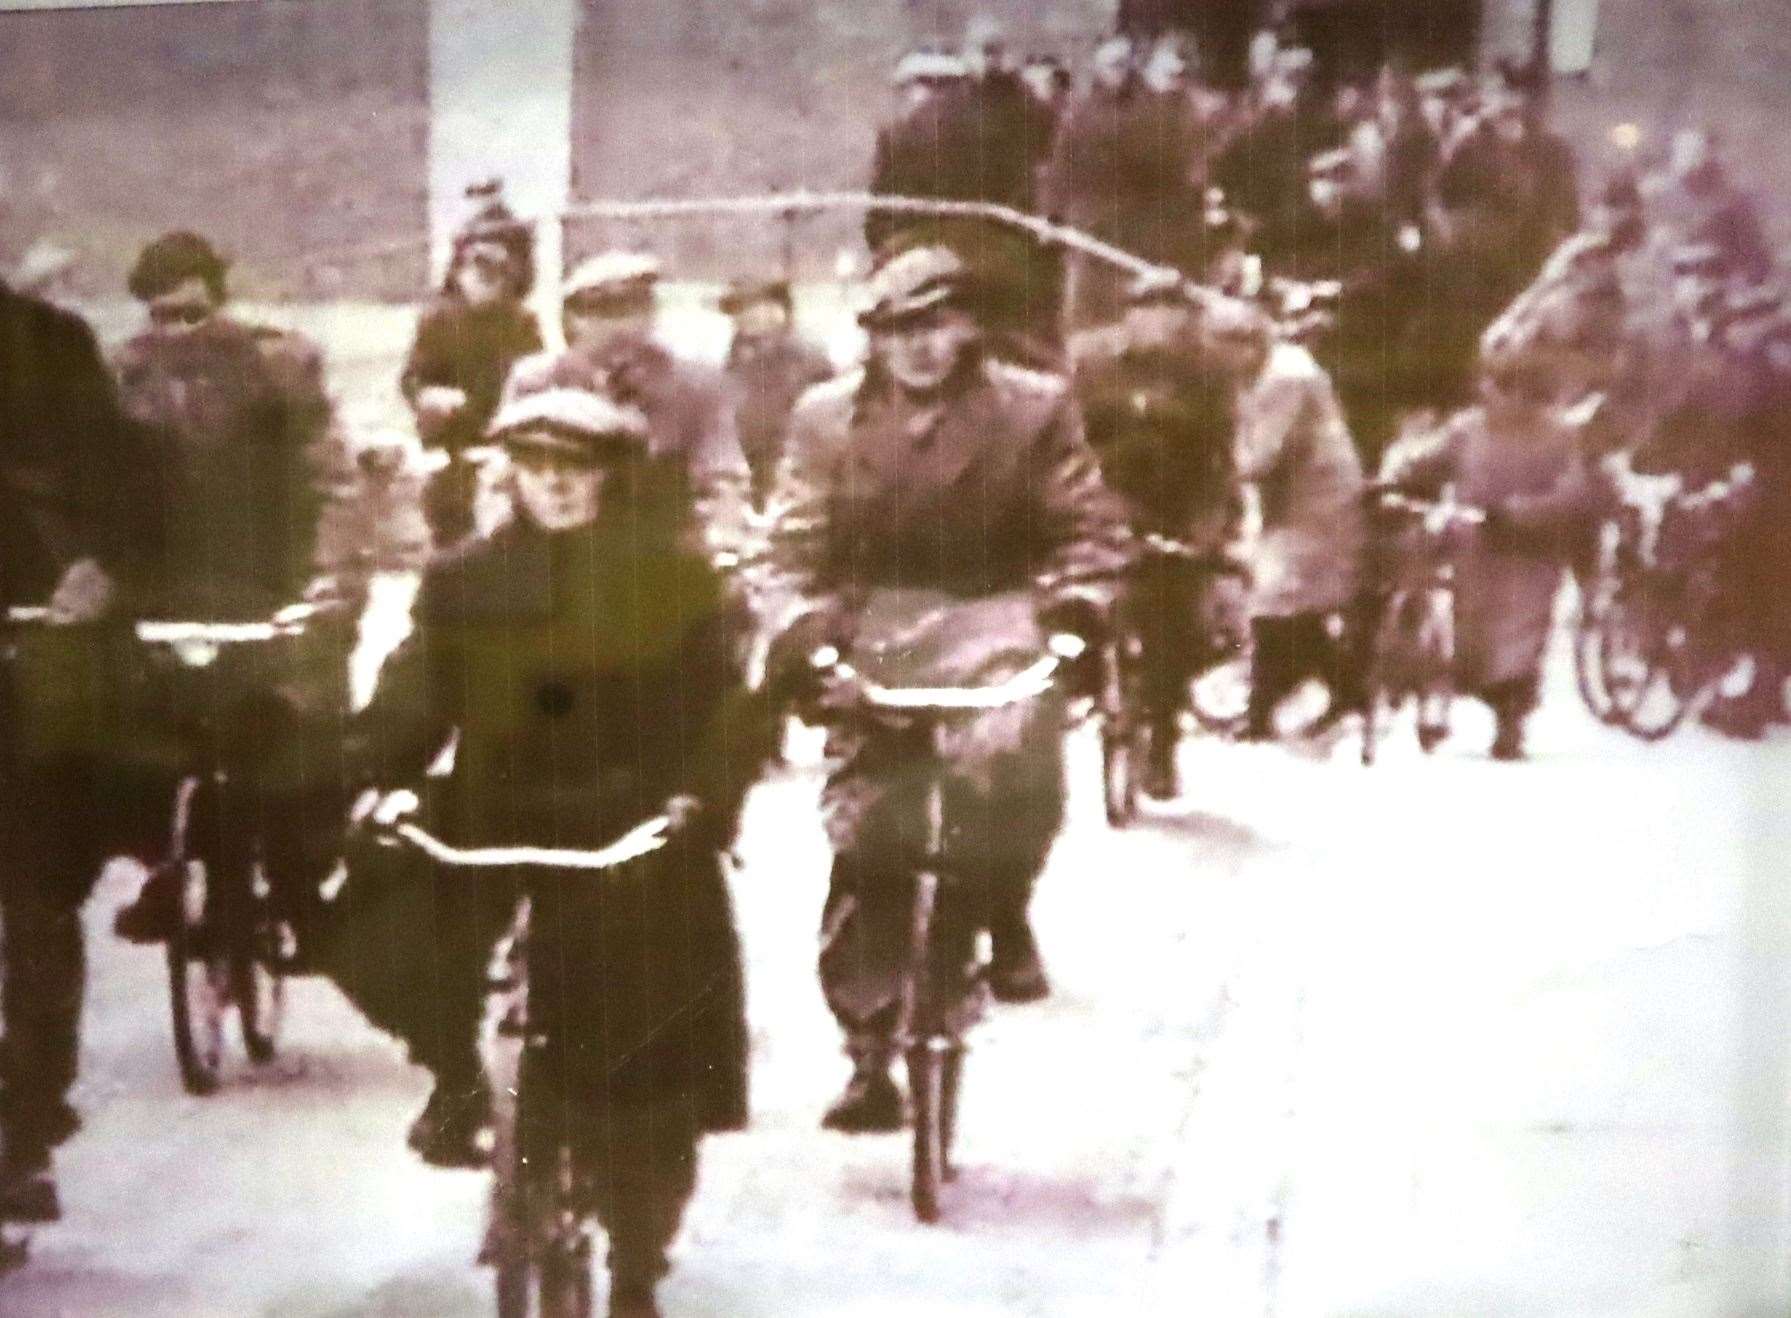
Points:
(985, 56)
(1112, 65)
(1691, 152)
(483, 275)
(183, 308)
(921, 352)
(1327, 196)
(557, 488)
(761, 320)
(593, 328)
(1158, 326)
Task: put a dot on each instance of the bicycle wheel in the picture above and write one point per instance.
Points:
(926, 1088)
(1120, 760)
(1588, 671)
(200, 983)
(950, 1079)
(1219, 696)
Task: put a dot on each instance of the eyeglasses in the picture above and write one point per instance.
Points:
(179, 313)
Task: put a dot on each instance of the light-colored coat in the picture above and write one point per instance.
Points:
(1293, 445)
(1528, 466)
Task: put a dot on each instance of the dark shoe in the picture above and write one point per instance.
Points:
(1743, 718)
(28, 1190)
(153, 916)
(62, 1124)
(1161, 781)
(630, 1299)
(871, 1103)
(451, 1129)
(1508, 741)
(1016, 974)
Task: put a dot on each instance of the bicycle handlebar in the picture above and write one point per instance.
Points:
(1438, 513)
(641, 840)
(1030, 683)
(289, 621)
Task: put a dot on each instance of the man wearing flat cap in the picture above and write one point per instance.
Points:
(610, 306)
(769, 366)
(930, 505)
(583, 655)
(1159, 417)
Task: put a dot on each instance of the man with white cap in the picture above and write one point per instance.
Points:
(930, 503)
(610, 319)
(583, 655)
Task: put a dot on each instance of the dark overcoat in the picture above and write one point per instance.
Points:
(590, 678)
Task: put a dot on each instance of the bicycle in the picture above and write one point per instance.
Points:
(1414, 642)
(1217, 694)
(227, 949)
(538, 1237)
(1654, 640)
(930, 1026)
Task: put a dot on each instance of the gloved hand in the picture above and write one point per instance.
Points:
(1081, 613)
(790, 673)
(84, 594)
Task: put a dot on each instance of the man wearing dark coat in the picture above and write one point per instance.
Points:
(1159, 418)
(238, 419)
(980, 136)
(469, 337)
(584, 655)
(769, 367)
(928, 503)
(80, 518)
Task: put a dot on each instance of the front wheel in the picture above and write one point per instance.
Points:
(199, 979)
(1120, 761)
(1219, 697)
(933, 1101)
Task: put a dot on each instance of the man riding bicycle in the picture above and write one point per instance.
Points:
(583, 656)
(237, 433)
(924, 499)
(1160, 420)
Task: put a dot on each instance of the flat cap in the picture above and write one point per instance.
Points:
(1158, 286)
(743, 293)
(578, 417)
(928, 66)
(1443, 82)
(614, 275)
(1336, 163)
(911, 282)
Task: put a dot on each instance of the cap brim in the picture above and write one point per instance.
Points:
(911, 309)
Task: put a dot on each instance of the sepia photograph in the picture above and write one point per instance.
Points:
(866, 658)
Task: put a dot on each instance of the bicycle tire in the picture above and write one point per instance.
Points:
(199, 984)
(1588, 672)
(1218, 697)
(926, 1070)
(951, 1080)
(1119, 775)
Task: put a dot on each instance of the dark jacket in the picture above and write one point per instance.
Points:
(690, 420)
(1162, 430)
(767, 379)
(471, 349)
(236, 458)
(590, 677)
(76, 480)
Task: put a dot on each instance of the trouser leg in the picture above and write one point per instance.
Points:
(43, 975)
(642, 1163)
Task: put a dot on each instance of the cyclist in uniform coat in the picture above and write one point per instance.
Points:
(1160, 419)
(925, 500)
(584, 654)
(80, 519)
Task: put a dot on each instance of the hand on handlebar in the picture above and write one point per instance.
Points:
(84, 594)
(378, 812)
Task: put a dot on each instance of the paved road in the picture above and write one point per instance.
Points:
(1441, 1037)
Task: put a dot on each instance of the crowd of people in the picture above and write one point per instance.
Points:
(1363, 280)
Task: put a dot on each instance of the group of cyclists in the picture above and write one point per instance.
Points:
(672, 556)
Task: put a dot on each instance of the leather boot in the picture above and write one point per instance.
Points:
(871, 1103)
